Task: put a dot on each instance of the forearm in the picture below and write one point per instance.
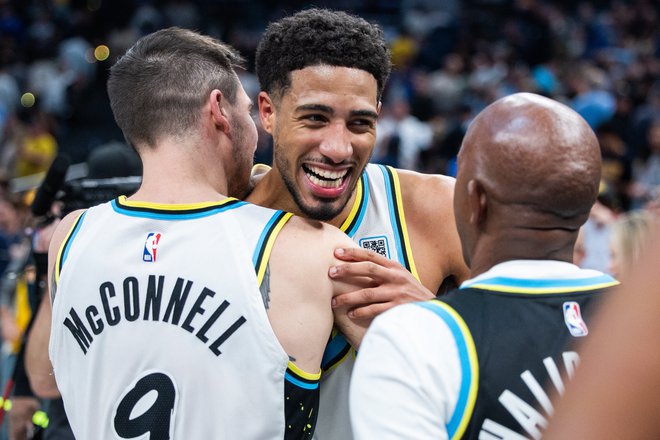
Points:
(37, 362)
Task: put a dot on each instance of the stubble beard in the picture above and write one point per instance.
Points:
(238, 183)
(326, 210)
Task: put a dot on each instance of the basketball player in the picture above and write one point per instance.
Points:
(180, 312)
(472, 364)
(322, 75)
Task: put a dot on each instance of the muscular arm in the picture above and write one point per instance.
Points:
(429, 206)
(37, 362)
(300, 291)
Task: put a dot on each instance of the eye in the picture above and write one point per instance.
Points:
(314, 119)
(362, 125)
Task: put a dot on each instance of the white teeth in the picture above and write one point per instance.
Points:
(324, 183)
(328, 174)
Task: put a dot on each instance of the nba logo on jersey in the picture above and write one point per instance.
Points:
(573, 319)
(151, 246)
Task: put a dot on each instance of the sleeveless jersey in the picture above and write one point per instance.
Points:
(159, 326)
(515, 340)
(376, 222)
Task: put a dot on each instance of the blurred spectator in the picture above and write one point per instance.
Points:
(38, 147)
(11, 232)
(646, 171)
(596, 235)
(629, 235)
(593, 101)
(401, 137)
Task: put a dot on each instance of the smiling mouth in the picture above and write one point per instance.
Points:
(325, 178)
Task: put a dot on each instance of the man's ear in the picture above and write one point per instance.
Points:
(219, 114)
(477, 203)
(266, 111)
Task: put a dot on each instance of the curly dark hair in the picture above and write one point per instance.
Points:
(320, 37)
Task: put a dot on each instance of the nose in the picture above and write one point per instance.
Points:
(336, 144)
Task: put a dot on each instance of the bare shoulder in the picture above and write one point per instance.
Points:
(427, 196)
(314, 237)
(428, 204)
(301, 258)
(59, 235)
(61, 232)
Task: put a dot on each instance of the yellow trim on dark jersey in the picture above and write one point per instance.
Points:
(542, 291)
(402, 221)
(265, 246)
(344, 356)
(300, 372)
(64, 245)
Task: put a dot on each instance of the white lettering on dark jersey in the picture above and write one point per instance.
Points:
(531, 420)
(128, 306)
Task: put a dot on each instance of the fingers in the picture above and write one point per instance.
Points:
(360, 269)
(370, 311)
(382, 294)
(360, 254)
(359, 298)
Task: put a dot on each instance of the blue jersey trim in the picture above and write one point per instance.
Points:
(337, 344)
(262, 237)
(363, 206)
(467, 367)
(299, 383)
(507, 284)
(72, 237)
(390, 205)
(163, 215)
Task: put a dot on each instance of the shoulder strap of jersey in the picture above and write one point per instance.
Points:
(66, 245)
(266, 241)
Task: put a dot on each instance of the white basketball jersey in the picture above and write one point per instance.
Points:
(159, 330)
(376, 222)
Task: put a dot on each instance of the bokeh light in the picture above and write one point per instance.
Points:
(28, 100)
(102, 52)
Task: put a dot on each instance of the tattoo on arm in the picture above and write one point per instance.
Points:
(53, 287)
(265, 287)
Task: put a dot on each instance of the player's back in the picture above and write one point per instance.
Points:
(159, 326)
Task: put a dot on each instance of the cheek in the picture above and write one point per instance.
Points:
(364, 146)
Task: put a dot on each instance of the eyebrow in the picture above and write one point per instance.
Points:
(330, 110)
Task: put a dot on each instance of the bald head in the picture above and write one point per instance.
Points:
(533, 153)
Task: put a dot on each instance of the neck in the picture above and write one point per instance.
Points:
(522, 245)
(178, 174)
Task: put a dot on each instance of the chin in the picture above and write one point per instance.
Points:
(322, 212)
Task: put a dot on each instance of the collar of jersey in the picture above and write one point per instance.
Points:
(539, 277)
(167, 211)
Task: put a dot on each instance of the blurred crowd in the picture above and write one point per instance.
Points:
(451, 59)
